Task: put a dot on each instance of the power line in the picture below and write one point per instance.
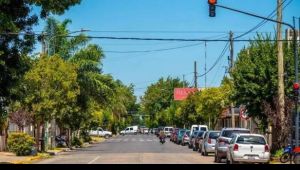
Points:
(218, 59)
(271, 15)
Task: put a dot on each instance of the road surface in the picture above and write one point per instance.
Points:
(132, 149)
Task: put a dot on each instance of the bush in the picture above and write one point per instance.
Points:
(20, 143)
(278, 153)
(77, 142)
(85, 136)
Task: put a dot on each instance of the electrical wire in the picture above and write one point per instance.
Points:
(271, 15)
(218, 60)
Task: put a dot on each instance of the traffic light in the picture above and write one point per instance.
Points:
(296, 87)
(212, 7)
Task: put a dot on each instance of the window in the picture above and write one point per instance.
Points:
(254, 140)
(229, 133)
(214, 135)
(131, 128)
(200, 134)
(127, 129)
(203, 129)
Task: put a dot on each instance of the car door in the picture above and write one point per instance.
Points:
(100, 132)
(127, 131)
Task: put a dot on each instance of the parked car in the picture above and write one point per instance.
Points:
(192, 139)
(172, 137)
(198, 139)
(168, 131)
(186, 138)
(248, 148)
(222, 143)
(198, 128)
(130, 130)
(180, 136)
(208, 144)
(154, 131)
(175, 136)
(100, 132)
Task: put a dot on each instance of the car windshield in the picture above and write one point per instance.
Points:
(229, 133)
(255, 140)
(195, 128)
(203, 129)
(214, 135)
(181, 132)
(200, 133)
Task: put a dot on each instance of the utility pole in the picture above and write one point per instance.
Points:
(205, 67)
(230, 70)
(280, 66)
(195, 75)
(183, 79)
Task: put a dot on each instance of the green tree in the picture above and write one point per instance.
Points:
(159, 97)
(255, 84)
(51, 89)
(17, 16)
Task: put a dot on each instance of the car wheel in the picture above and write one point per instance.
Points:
(227, 161)
(106, 136)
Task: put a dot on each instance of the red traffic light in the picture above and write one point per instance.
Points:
(212, 2)
(296, 86)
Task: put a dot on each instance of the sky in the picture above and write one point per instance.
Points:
(186, 19)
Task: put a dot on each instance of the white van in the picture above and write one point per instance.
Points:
(198, 128)
(130, 130)
(168, 131)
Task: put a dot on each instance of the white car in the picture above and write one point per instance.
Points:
(100, 132)
(130, 130)
(248, 148)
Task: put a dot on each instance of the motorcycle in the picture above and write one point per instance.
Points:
(290, 154)
(162, 140)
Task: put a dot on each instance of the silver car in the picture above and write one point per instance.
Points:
(248, 148)
(222, 143)
(209, 142)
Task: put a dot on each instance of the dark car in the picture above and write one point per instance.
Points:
(198, 139)
(172, 137)
(192, 139)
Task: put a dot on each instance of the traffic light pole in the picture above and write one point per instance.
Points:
(295, 55)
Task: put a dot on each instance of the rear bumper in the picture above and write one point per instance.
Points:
(251, 161)
(210, 148)
(222, 151)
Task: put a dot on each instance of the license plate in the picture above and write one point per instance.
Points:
(251, 157)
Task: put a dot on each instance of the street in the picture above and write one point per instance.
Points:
(132, 149)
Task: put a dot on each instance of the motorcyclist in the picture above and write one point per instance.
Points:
(162, 135)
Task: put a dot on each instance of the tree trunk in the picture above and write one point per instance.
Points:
(43, 148)
(37, 136)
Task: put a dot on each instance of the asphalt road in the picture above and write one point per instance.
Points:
(132, 149)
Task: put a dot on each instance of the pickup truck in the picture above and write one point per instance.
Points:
(100, 132)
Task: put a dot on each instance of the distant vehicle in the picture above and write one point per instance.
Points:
(198, 139)
(145, 131)
(180, 136)
(208, 144)
(154, 130)
(223, 141)
(100, 132)
(186, 138)
(192, 139)
(198, 128)
(130, 130)
(248, 148)
(168, 131)
(174, 133)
